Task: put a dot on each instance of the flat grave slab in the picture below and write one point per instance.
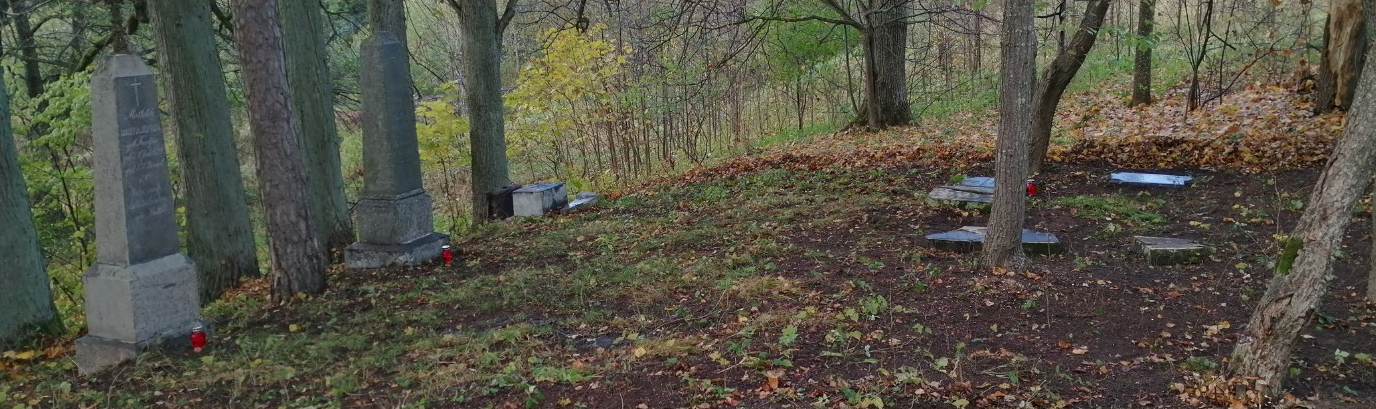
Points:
(1149, 179)
(582, 201)
(971, 238)
(962, 194)
(978, 181)
(1169, 250)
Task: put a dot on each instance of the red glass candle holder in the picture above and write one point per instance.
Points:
(198, 339)
(447, 254)
(1031, 188)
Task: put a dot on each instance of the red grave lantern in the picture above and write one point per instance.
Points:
(198, 339)
(1031, 188)
(447, 254)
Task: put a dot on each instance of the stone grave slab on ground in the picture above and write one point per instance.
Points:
(142, 292)
(971, 238)
(536, 199)
(1167, 250)
(582, 201)
(978, 181)
(1149, 179)
(394, 214)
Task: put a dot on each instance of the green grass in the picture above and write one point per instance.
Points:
(1137, 212)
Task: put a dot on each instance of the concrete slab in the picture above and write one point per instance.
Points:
(1149, 179)
(1168, 250)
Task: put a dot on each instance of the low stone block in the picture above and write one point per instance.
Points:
(1167, 250)
(971, 238)
(536, 199)
(1149, 179)
(962, 194)
(376, 255)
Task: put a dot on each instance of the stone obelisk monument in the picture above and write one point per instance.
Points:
(141, 292)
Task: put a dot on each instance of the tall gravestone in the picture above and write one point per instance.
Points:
(394, 216)
(142, 291)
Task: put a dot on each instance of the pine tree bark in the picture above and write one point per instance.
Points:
(1058, 77)
(219, 236)
(389, 15)
(885, 48)
(298, 259)
(483, 76)
(1003, 243)
(1294, 293)
(312, 100)
(28, 46)
(25, 296)
(1325, 83)
(1141, 64)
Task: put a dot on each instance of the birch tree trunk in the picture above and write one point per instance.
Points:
(1301, 280)
(312, 100)
(298, 259)
(1003, 243)
(219, 236)
(26, 300)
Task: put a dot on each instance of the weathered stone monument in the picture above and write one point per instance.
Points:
(142, 291)
(394, 216)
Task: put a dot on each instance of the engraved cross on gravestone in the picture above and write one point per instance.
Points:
(142, 291)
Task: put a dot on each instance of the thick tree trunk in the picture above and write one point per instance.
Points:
(1141, 65)
(25, 298)
(1003, 244)
(1294, 293)
(885, 47)
(298, 259)
(1346, 43)
(313, 103)
(1058, 77)
(483, 73)
(219, 236)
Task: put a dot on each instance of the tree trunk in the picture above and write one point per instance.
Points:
(1003, 243)
(219, 236)
(886, 35)
(312, 100)
(1058, 77)
(1206, 32)
(1141, 65)
(1345, 48)
(28, 47)
(1294, 293)
(482, 67)
(298, 259)
(26, 300)
(1325, 83)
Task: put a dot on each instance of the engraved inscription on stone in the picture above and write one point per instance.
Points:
(148, 202)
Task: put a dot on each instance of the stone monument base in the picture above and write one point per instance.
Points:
(138, 305)
(95, 353)
(373, 255)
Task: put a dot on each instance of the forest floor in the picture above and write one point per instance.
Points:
(799, 278)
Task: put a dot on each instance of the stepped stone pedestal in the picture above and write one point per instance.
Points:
(142, 292)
